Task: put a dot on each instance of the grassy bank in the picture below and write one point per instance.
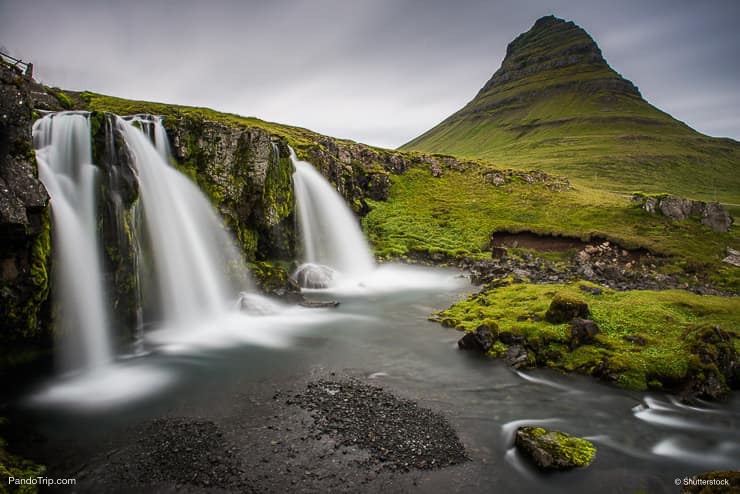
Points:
(648, 339)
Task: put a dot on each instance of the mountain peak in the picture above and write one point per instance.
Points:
(551, 44)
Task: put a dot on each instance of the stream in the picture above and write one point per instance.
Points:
(380, 334)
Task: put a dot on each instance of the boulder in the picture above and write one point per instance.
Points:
(563, 308)
(436, 170)
(517, 357)
(554, 450)
(582, 331)
(716, 217)
(314, 276)
(479, 340)
(733, 257)
(676, 208)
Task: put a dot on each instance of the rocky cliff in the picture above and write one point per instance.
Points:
(24, 219)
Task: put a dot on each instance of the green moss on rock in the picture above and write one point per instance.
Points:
(564, 308)
(19, 468)
(554, 450)
(688, 341)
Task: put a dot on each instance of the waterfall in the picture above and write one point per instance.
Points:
(64, 157)
(190, 248)
(333, 243)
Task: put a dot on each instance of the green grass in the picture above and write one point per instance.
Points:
(583, 122)
(669, 322)
(456, 213)
(296, 136)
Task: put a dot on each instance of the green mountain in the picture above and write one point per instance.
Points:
(556, 104)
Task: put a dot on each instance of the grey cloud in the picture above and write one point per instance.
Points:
(377, 71)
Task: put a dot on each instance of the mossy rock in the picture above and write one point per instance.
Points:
(480, 340)
(273, 279)
(564, 308)
(554, 450)
(18, 468)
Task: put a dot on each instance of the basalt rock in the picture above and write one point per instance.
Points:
(563, 309)
(479, 340)
(25, 238)
(248, 174)
(582, 331)
(711, 214)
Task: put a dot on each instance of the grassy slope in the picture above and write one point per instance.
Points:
(296, 136)
(456, 213)
(573, 121)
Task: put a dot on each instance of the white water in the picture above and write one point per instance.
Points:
(65, 166)
(190, 248)
(330, 233)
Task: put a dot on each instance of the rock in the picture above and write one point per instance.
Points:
(319, 304)
(733, 257)
(593, 290)
(650, 204)
(436, 170)
(273, 280)
(675, 208)
(713, 214)
(479, 340)
(636, 339)
(498, 252)
(714, 371)
(582, 331)
(314, 276)
(564, 308)
(517, 357)
(554, 450)
(717, 482)
(509, 338)
(25, 243)
(716, 217)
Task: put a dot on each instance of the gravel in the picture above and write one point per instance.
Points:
(183, 452)
(397, 433)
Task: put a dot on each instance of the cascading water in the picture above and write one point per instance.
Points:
(333, 243)
(190, 248)
(65, 166)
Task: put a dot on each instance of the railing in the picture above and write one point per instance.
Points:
(26, 68)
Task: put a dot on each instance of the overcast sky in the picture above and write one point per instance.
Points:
(376, 71)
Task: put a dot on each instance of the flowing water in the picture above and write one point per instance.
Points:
(330, 233)
(190, 247)
(644, 441)
(65, 168)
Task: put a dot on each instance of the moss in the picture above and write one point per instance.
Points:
(272, 277)
(565, 451)
(579, 451)
(564, 307)
(20, 468)
(40, 261)
(682, 341)
(62, 98)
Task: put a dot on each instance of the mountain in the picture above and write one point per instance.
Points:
(557, 105)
